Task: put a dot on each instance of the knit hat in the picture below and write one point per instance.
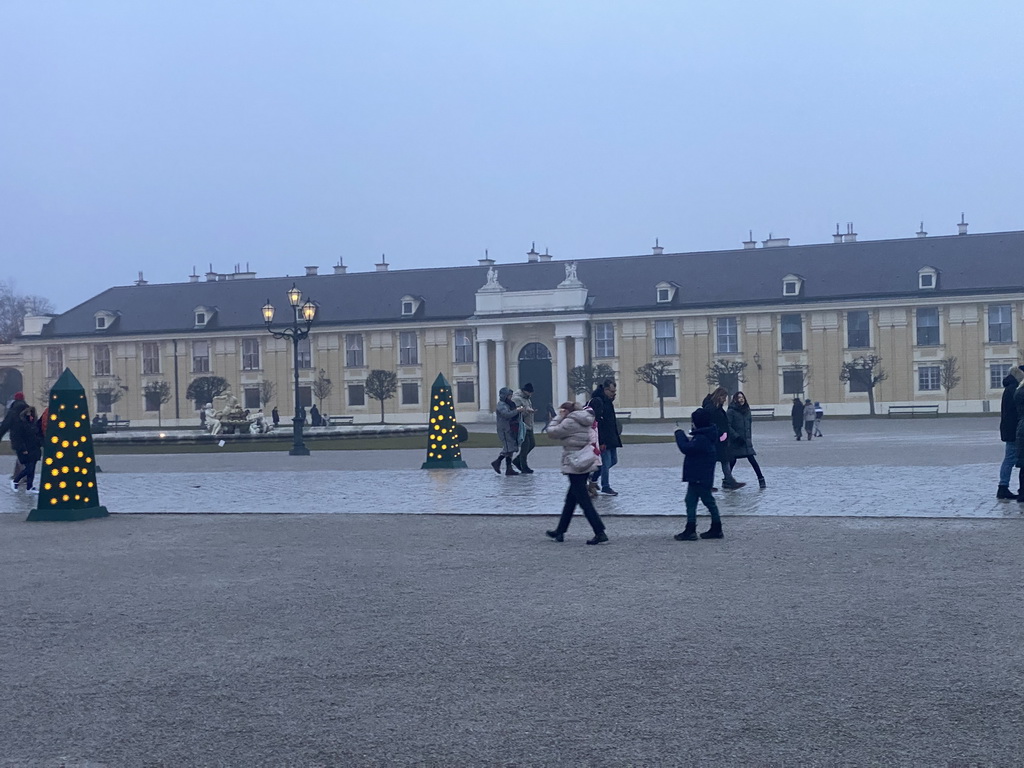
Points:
(700, 418)
(527, 387)
(1017, 372)
(19, 395)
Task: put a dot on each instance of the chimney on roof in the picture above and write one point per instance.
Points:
(193, 278)
(383, 266)
(750, 242)
(140, 281)
(545, 256)
(921, 232)
(962, 226)
(339, 268)
(532, 255)
(774, 242)
(312, 271)
(837, 237)
(486, 261)
(657, 249)
(850, 236)
(211, 276)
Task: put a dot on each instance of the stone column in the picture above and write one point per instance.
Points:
(562, 372)
(578, 349)
(483, 365)
(500, 372)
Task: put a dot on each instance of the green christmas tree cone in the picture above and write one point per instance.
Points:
(67, 482)
(443, 450)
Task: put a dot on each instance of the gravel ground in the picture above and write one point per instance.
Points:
(372, 640)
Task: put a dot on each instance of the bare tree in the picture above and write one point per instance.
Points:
(111, 391)
(949, 378)
(14, 307)
(322, 387)
(267, 391)
(863, 373)
(727, 374)
(158, 393)
(656, 374)
(583, 379)
(381, 385)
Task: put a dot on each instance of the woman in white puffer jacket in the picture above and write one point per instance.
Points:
(574, 426)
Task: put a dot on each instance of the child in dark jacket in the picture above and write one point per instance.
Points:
(700, 451)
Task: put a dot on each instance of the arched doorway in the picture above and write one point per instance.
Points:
(10, 382)
(535, 368)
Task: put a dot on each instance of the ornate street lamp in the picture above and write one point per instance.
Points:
(304, 313)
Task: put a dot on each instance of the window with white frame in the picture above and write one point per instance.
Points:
(200, 357)
(54, 362)
(465, 392)
(101, 360)
(727, 335)
(792, 327)
(305, 353)
(1000, 324)
(250, 354)
(410, 393)
(604, 340)
(664, 295)
(996, 373)
(792, 382)
(790, 287)
(408, 306)
(927, 326)
(101, 322)
(357, 394)
(927, 278)
(463, 345)
(408, 348)
(200, 317)
(928, 377)
(664, 337)
(858, 329)
(354, 350)
(150, 357)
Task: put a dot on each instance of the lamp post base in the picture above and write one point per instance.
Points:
(298, 446)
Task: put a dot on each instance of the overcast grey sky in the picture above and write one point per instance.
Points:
(154, 136)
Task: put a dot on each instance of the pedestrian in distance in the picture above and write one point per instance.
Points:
(14, 410)
(700, 451)
(27, 441)
(1008, 419)
(796, 413)
(551, 413)
(1018, 400)
(602, 404)
(714, 406)
(741, 422)
(508, 422)
(819, 412)
(574, 426)
(314, 416)
(527, 441)
(809, 419)
(275, 416)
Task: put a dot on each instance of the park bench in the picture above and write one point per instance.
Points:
(913, 410)
(763, 412)
(333, 421)
(623, 415)
(116, 423)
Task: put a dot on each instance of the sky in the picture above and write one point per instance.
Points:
(158, 136)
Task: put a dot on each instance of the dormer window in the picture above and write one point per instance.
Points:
(665, 292)
(104, 319)
(101, 323)
(200, 318)
(408, 308)
(411, 305)
(202, 315)
(927, 278)
(792, 285)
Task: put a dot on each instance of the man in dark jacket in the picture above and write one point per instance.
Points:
(607, 434)
(796, 414)
(1008, 418)
(700, 451)
(14, 411)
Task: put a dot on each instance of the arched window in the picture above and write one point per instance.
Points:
(534, 351)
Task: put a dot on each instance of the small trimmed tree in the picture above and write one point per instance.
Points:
(949, 378)
(322, 387)
(112, 391)
(267, 391)
(656, 374)
(159, 393)
(727, 374)
(202, 390)
(583, 379)
(381, 385)
(862, 374)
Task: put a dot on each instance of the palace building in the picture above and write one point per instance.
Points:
(793, 314)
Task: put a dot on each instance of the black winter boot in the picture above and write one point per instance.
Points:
(761, 482)
(714, 532)
(508, 467)
(689, 533)
(496, 465)
(556, 535)
(1004, 493)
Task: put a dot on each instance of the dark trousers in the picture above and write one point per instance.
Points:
(27, 473)
(753, 463)
(577, 494)
(797, 429)
(529, 443)
(695, 491)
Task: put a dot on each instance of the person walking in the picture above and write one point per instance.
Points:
(14, 411)
(796, 413)
(1008, 418)
(601, 403)
(715, 408)
(700, 452)
(527, 440)
(275, 416)
(1018, 400)
(508, 422)
(314, 416)
(741, 421)
(27, 441)
(574, 427)
(809, 419)
(819, 412)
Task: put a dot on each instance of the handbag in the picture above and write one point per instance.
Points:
(587, 458)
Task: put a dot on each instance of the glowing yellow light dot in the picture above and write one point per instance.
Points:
(78, 484)
(48, 462)
(53, 501)
(53, 417)
(53, 440)
(440, 418)
(432, 421)
(75, 443)
(54, 472)
(88, 459)
(65, 497)
(59, 454)
(435, 407)
(80, 454)
(89, 484)
(64, 470)
(86, 499)
(444, 447)
(78, 424)
(64, 444)
(55, 397)
(62, 424)
(47, 486)
(62, 484)
(77, 497)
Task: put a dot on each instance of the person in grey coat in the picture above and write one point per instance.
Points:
(741, 423)
(509, 423)
(809, 419)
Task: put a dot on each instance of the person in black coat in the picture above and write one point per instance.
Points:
(741, 445)
(14, 410)
(607, 433)
(314, 416)
(797, 415)
(701, 452)
(714, 404)
(27, 441)
(1008, 419)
